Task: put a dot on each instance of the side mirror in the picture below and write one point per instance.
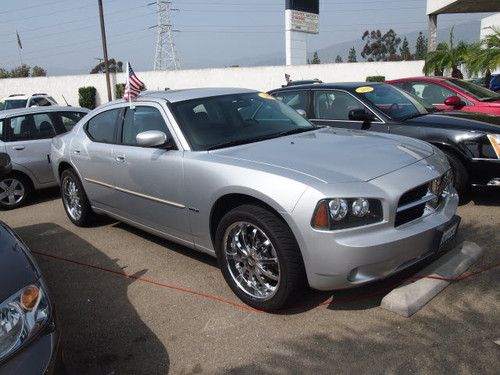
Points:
(361, 115)
(5, 164)
(151, 138)
(454, 101)
(302, 113)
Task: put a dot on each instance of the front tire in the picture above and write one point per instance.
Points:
(75, 201)
(460, 175)
(259, 257)
(15, 190)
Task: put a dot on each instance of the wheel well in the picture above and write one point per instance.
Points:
(62, 167)
(451, 150)
(15, 172)
(227, 202)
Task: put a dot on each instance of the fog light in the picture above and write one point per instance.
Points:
(360, 207)
(338, 209)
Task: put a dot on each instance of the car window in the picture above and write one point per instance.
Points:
(69, 119)
(31, 127)
(334, 105)
(40, 102)
(295, 99)
(430, 93)
(101, 128)
(141, 119)
(13, 103)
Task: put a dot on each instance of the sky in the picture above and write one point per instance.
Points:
(63, 36)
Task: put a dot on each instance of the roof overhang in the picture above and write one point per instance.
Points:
(462, 6)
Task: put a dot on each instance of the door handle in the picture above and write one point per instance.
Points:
(120, 158)
(76, 152)
(19, 148)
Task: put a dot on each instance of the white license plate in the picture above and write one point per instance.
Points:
(448, 234)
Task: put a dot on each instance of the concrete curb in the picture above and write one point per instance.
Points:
(407, 299)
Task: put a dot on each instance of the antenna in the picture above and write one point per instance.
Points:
(165, 56)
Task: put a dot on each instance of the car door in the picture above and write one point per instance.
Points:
(28, 144)
(150, 180)
(92, 155)
(332, 107)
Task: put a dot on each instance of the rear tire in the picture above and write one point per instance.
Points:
(15, 190)
(460, 175)
(75, 201)
(259, 257)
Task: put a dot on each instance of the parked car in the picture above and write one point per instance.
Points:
(469, 140)
(25, 134)
(241, 176)
(29, 336)
(495, 83)
(451, 94)
(25, 101)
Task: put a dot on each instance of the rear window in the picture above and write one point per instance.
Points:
(13, 103)
(101, 128)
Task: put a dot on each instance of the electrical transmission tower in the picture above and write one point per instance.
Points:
(165, 56)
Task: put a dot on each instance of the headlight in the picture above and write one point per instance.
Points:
(341, 213)
(495, 142)
(21, 317)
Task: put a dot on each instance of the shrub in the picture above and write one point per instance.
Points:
(119, 90)
(375, 79)
(86, 97)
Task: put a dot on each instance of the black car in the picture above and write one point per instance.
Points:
(471, 141)
(29, 338)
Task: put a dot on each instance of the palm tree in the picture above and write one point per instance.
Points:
(484, 57)
(446, 56)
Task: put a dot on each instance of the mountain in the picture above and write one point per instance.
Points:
(468, 32)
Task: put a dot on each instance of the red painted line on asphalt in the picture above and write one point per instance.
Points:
(245, 307)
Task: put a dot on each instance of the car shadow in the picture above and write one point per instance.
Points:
(485, 196)
(102, 332)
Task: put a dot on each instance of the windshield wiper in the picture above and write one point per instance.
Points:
(238, 142)
(492, 99)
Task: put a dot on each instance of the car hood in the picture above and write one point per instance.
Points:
(461, 120)
(17, 270)
(333, 155)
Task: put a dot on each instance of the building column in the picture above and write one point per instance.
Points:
(432, 33)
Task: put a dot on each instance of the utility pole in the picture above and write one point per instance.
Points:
(104, 49)
(165, 56)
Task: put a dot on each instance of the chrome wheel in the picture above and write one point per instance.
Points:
(71, 198)
(12, 191)
(252, 260)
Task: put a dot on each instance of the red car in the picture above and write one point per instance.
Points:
(451, 94)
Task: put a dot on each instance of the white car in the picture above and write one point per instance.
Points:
(26, 101)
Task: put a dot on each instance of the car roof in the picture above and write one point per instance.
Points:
(174, 96)
(34, 110)
(24, 96)
(339, 85)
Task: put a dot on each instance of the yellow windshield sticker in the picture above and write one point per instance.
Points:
(265, 96)
(364, 89)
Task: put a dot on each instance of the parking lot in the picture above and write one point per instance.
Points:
(174, 313)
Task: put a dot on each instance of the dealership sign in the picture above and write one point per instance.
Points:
(304, 21)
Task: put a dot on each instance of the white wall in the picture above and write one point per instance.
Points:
(260, 78)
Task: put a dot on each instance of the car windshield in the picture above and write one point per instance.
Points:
(229, 120)
(12, 103)
(477, 92)
(395, 103)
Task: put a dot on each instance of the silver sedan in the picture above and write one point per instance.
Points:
(239, 175)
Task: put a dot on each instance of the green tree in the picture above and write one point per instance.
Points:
(405, 51)
(38, 71)
(113, 67)
(4, 73)
(421, 47)
(20, 71)
(316, 59)
(484, 57)
(338, 59)
(446, 56)
(380, 47)
(352, 55)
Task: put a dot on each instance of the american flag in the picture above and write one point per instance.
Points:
(133, 86)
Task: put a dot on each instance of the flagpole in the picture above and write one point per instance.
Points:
(127, 84)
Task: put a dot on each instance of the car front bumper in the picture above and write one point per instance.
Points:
(41, 356)
(485, 172)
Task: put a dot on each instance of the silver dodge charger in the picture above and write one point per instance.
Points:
(281, 203)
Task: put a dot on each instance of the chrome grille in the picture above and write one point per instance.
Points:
(424, 198)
